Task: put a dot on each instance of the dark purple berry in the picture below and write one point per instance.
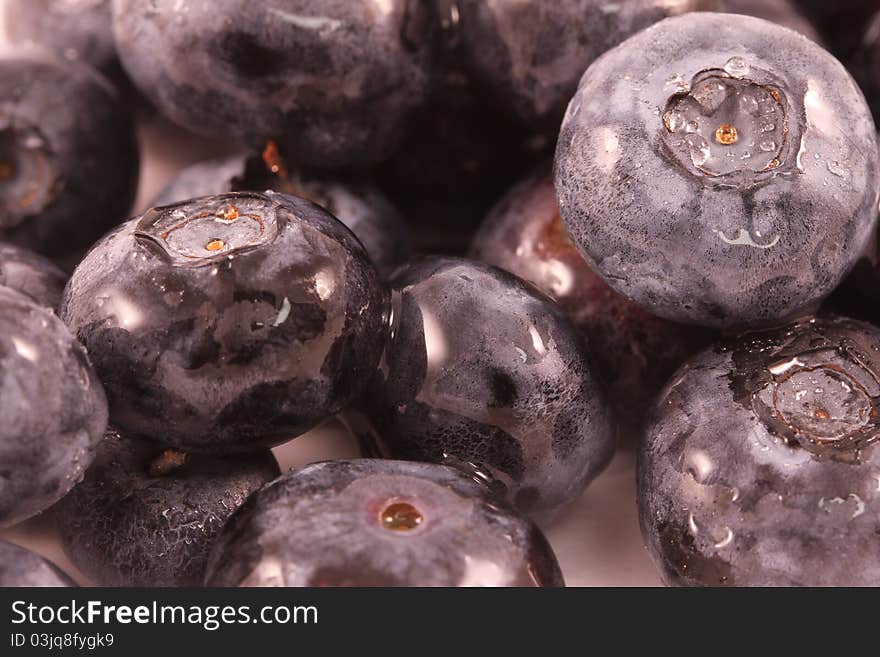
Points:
(31, 274)
(379, 523)
(147, 516)
(229, 322)
(484, 372)
(361, 207)
(68, 156)
(635, 351)
(762, 466)
(52, 407)
(21, 567)
(331, 81)
(77, 30)
(719, 170)
(532, 54)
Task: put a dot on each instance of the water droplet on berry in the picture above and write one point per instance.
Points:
(726, 134)
(401, 517)
(835, 168)
(736, 67)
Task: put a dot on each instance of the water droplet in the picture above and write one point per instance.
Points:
(768, 145)
(401, 517)
(835, 168)
(699, 149)
(726, 134)
(673, 120)
(676, 81)
(749, 103)
(737, 67)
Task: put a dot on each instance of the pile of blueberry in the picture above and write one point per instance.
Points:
(696, 275)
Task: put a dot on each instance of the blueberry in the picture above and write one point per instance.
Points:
(636, 352)
(228, 322)
(485, 372)
(360, 206)
(68, 156)
(331, 82)
(31, 274)
(21, 567)
(719, 170)
(459, 155)
(379, 523)
(78, 30)
(761, 466)
(146, 516)
(782, 12)
(531, 54)
(53, 408)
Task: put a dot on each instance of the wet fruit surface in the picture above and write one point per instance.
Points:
(532, 54)
(483, 371)
(762, 464)
(21, 567)
(719, 170)
(53, 408)
(228, 322)
(379, 523)
(68, 156)
(725, 125)
(147, 517)
(636, 352)
(330, 81)
(361, 207)
(31, 274)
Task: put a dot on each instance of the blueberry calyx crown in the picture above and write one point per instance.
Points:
(29, 176)
(729, 127)
(812, 387)
(204, 231)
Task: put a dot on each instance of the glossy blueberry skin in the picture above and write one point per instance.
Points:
(230, 322)
(31, 274)
(697, 236)
(360, 206)
(21, 567)
(53, 408)
(324, 525)
(781, 12)
(483, 371)
(749, 476)
(532, 54)
(81, 30)
(636, 352)
(69, 156)
(331, 81)
(133, 522)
